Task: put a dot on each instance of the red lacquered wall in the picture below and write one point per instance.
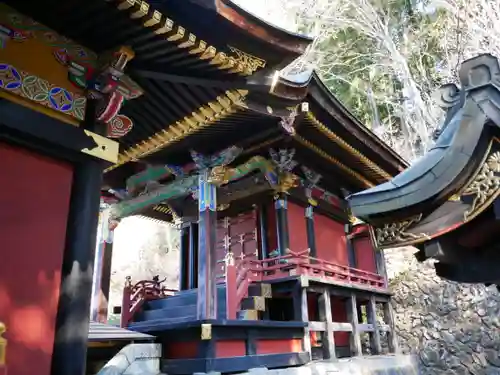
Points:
(270, 346)
(181, 350)
(365, 254)
(34, 207)
(230, 348)
(330, 240)
(297, 229)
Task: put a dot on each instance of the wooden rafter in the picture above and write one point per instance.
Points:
(205, 116)
(167, 28)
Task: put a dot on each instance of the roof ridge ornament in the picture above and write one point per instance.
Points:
(480, 71)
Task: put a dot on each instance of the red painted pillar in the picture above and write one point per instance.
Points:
(231, 288)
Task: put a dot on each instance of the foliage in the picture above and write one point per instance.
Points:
(385, 58)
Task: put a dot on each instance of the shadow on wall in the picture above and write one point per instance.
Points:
(452, 328)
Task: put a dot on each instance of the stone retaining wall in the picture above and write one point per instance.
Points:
(451, 328)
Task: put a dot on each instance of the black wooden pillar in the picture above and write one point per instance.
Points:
(193, 256)
(207, 288)
(281, 205)
(351, 253)
(72, 323)
(184, 259)
(311, 241)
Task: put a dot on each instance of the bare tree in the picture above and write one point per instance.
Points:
(413, 47)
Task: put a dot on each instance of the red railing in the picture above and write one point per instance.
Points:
(135, 295)
(241, 274)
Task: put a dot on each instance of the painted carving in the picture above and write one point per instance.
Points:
(175, 189)
(287, 123)
(189, 185)
(150, 175)
(283, 159)
(221, 158)
(207, 192)
(484, 187)
(253, 63)
(119, 126)
(222, 175)
(40, 91)
(397, 232)
(311, 181)
(103, 76)
(287, 181)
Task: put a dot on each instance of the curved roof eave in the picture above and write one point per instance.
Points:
(256, 26)
(360, 131)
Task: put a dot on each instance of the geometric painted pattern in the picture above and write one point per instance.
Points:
(40, 91)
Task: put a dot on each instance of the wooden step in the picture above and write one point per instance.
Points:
(253, 303)
(260, 290)
(248, 315)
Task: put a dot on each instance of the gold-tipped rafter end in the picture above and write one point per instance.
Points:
(241, 63)
(374, 168)
(205, 116)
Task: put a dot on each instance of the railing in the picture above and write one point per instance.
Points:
(240, 275)
(135, 295)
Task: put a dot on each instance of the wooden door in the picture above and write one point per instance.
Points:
(239, 235)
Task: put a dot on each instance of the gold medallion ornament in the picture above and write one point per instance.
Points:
(3, 345)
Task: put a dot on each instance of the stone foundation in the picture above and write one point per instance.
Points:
(451, 328)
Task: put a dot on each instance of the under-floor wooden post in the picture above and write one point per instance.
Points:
(304, 311)
(375, 346)
(325, 315)
(391, 335)
(352, 315)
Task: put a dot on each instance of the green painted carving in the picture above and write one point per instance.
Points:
(219, 175)
(152, 175)
(137, 204)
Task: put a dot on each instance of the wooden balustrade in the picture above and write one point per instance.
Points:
(135, 295)
(240, 274)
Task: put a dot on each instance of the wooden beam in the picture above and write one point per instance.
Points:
(325, 315)
(158, 73)
(352, 315)
(336, 326)
(376, 348)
